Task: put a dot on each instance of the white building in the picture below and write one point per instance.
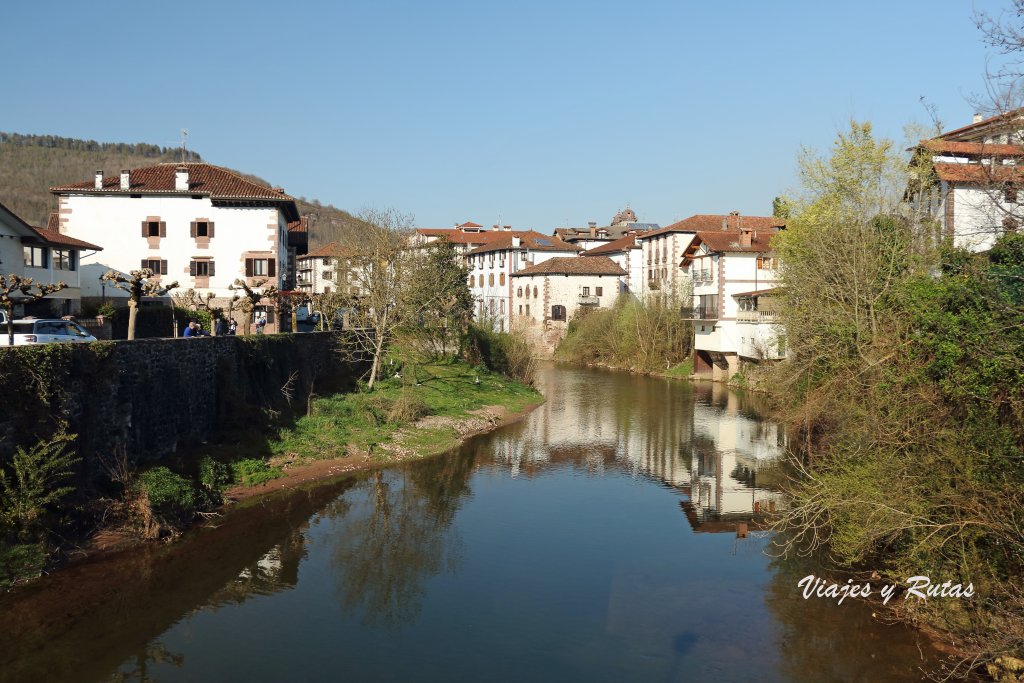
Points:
(327, 269)
(492, 265)
(546, 296)
(976, 176)
(626, 254)
(733, 272)
(464, 237)
(196, 223)
(46, 256)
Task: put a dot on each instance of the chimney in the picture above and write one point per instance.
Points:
(495, 227)
(125, 179)
(593, 228)
(181, 179)
(507, 228)
(99, 179)
(977, 118)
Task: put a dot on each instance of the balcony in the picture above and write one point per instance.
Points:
(702, 277)
(589, 300)
(767, 317)
(699, 313)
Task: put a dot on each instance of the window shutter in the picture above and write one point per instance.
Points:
(192, 268)
(145, 228)
(163, 267)
(248, 267)
(211, 268)
(270, 315)
(145, 263)
(192, 229)
(209, 229)
(163, 228)
(272, 267)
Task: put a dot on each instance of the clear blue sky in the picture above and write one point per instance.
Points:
(537, 113)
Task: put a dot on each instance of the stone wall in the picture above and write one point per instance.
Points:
(151, 398)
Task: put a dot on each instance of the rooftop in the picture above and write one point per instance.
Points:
(570, 265)
(528, 239)
(709, 222)
(619, 245)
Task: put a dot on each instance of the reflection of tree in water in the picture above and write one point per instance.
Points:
(155, 653)
(399, 536)
(822, 641)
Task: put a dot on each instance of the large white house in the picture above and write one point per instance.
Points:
(327, 269)
(492, 265)
(972, 179)
(47, 257)
(733, 273)
(196, 223)
(547, 295)
(626, 254)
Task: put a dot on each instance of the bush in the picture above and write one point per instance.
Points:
(21, 561)
(505, 353)
(33, 482)
(213, 474)
(169, 497)
(253, 472)
(407, 408)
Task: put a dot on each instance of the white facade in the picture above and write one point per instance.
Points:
(660, 253)
(976, 216)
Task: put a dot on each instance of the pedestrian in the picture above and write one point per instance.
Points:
(261, 323)
(190, 329)
(221, 328)
(232, 327)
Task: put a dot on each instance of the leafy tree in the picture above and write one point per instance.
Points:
(138, 284)
(438, 279)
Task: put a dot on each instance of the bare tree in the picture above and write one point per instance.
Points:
(138, 284)
(16, 289)
(251, 296)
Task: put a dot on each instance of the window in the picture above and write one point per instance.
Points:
(261, 267)
(1010, 193)
(63, 259)
(153, 229)
(535, 291)
(519, 292)
(501, 279)
(35, 257)
(558, 312)
(490, 280)
(490, 305)
(326, 275)
(586, 291)
(202, 229)
(260, 311)
(522, 256)
(1010, 224)
(158, 266)
(767, 263)
(479, 280)
(202, 268)
(501, 307)
(527, 309)
(520, 309)
(599, 291)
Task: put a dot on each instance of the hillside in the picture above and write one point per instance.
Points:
(31, 164)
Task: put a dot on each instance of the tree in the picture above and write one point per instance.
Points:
(138, 284)
(15, 289)
(329, 305)
(252, 296)
(438, 279)
(380, 268)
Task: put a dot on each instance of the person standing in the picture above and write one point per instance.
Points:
(261, 323)
(232, 327)
(220, 328)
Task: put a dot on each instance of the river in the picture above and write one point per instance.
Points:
(613, 534)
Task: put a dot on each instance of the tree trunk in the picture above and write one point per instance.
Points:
(376, 362)
(10, 325)
(133, 310)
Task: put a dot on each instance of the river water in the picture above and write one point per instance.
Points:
(601, 538)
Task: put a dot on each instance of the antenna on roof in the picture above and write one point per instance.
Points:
(184, 140)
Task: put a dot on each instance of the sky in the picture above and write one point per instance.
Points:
(536, 114)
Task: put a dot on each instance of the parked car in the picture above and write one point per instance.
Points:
(49, 331)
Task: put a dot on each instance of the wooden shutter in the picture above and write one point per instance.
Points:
(211, 268)
(192, 268)
(145, 263)
(248, 267)
(163, 228)
(270, 314)
(209, 229)
(145, 228)
(192, 229)
(271, 267)
(163, 266)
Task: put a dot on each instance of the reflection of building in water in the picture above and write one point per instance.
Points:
(704, 440)
(276, 570)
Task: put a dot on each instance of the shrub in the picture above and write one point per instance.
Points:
(21, 561)
(168, 500)
(213, 474)
(33, 482)
(506, 353)
(407, 408)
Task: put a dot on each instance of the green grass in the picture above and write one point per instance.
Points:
(254, 471)
(366, 419)
(683, 370)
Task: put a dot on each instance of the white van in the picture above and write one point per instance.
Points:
(49, 331)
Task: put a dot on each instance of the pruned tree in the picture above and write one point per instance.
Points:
(15, 289)
(138, 284)
(287, 301)
(251, 296)
(329, 304)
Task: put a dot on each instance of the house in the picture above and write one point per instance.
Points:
(298, 245)
(326, 270)
(464, 237)
(591, 237)
(968, 180)
(491, 266)
(46, 256)
(550, 293)
(733, 274)
(625, 253)
(197, 223)
(662, 250)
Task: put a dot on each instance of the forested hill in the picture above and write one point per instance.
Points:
(31, 164)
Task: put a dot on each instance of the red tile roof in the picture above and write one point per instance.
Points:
(330, 250)
(205, 179)
(977, 128)
(456, 236)
(59, 240)
(619, 245)
(571, 265)
(729, 242)
(528, 239)
(53, 222)
(709, 222)
(978, 173)
(470, 224)
(759, 292)
(972, 148)
(301, 225)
